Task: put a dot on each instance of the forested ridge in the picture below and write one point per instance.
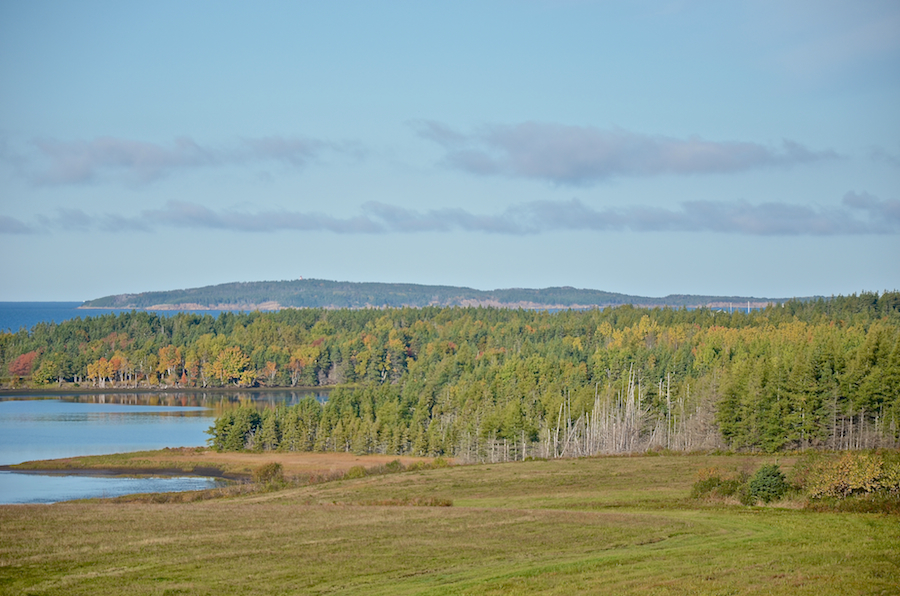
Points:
(320, 293)
(491, 384)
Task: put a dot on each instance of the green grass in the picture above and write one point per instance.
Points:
(589, 526)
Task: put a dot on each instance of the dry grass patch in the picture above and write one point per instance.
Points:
(293, 463)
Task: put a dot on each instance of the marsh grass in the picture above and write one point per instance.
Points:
(589, 526)
(207, 461)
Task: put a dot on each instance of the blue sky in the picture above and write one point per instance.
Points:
(731, 148)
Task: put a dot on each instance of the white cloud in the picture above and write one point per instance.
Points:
(829, 37)
(858, 214)
(583, 155)
(55, 162)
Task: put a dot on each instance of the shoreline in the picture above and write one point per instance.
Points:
(204, 472)
(204, 462)
(31, 391)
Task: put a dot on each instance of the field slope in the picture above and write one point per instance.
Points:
(587, 526)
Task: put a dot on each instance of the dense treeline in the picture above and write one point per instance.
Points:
(481, 383)
(319, 293)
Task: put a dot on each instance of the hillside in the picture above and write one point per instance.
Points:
(318, 293)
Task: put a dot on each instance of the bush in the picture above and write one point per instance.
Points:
(393, 467)
(713, 482)
(767, 485)
(269, 473)
(853, 474)
(355, 472)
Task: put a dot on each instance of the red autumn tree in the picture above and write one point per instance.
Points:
(21, 366)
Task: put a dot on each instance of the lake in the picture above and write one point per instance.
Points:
(55, 426)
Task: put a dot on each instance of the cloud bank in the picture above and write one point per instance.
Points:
(858, 214)
(73, 162)
(583, 155)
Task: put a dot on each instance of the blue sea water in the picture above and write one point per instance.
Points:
(18, 315)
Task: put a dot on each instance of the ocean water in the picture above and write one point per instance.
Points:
(25, 315)
(18, 315)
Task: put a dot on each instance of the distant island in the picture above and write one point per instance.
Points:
(320, 293)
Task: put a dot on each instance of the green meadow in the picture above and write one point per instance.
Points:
(605, 525)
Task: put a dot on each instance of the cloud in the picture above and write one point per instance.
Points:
(858, 214)
(836, 37)
(73, 162)
(885, 211)
(583, 155)
(70, 219)
(880, 154)
(191, 215)
(11, 225)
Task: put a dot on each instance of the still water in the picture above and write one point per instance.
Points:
(34, 428)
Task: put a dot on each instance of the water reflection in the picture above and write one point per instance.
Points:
(35, 488)
(218, 401)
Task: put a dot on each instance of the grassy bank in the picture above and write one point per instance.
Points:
(624, 525)
(208, 462)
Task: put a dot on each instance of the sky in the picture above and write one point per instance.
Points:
(644, 147)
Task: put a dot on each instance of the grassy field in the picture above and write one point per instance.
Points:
(623, 525)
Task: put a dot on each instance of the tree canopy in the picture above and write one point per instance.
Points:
(499, 383)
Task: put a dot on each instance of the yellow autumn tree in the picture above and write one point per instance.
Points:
(231, 366)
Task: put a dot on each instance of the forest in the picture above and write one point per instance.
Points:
(320, 293)
(491, 384)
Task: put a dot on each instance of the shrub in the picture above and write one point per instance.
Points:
(767, 485)
(713, 482)
(269, 473)
(355, 472)
(853, 474)
(393, 467)
(890, 479)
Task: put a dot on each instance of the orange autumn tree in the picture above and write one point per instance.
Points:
(169, 362)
